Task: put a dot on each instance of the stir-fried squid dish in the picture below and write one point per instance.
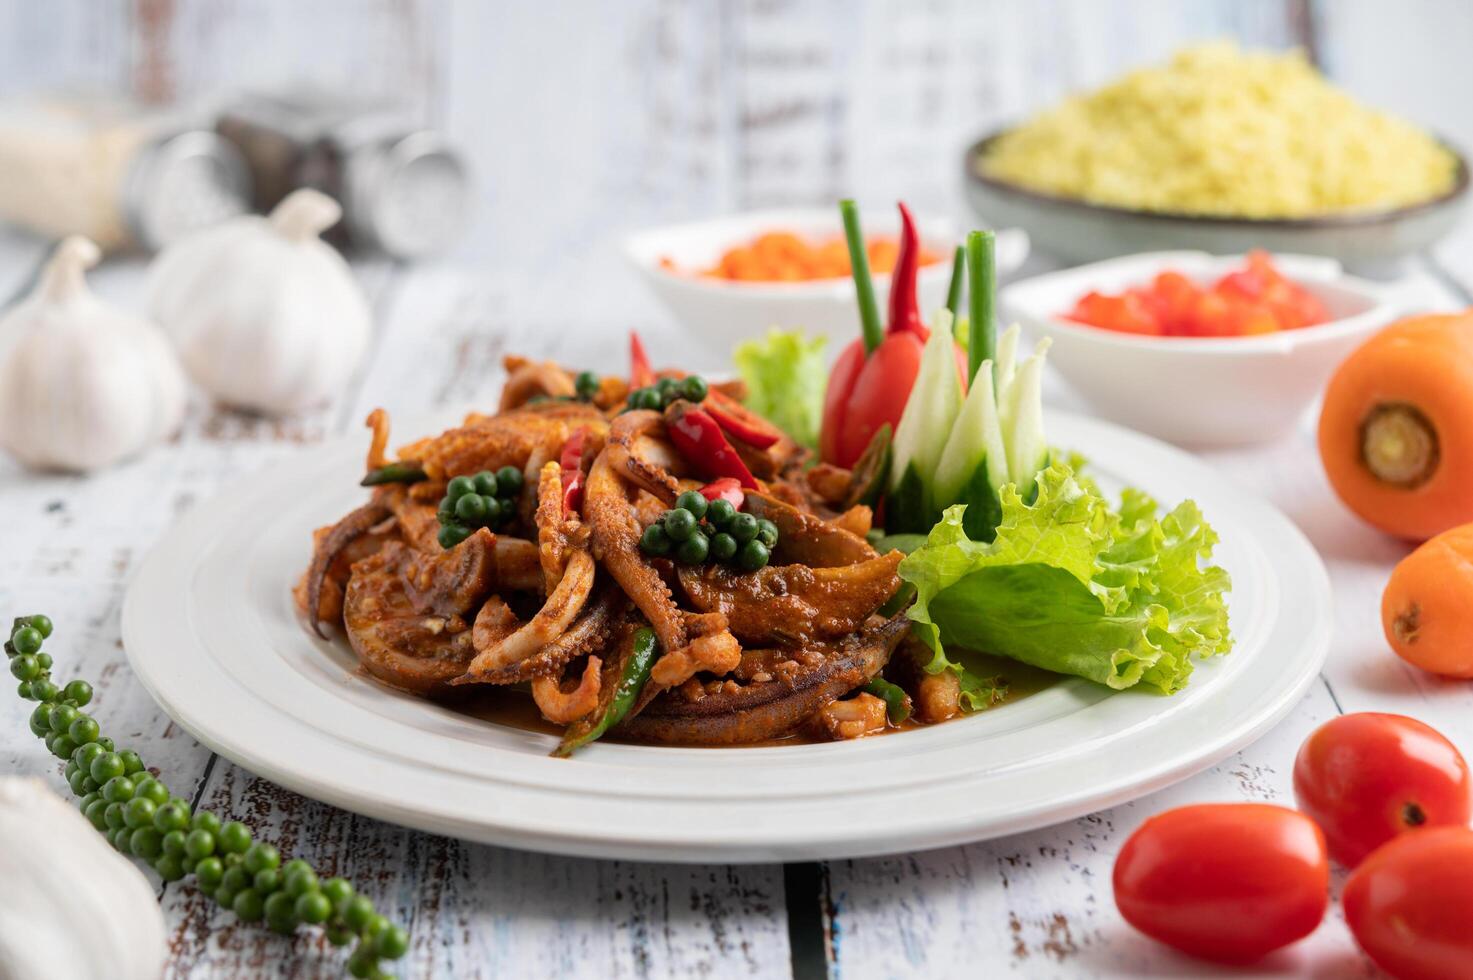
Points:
(653, 561)
(657, 559)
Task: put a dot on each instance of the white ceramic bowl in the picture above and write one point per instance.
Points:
(730, 312)
(1199, 391)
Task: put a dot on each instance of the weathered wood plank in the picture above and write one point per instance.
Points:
(880, 101)
(478, 911)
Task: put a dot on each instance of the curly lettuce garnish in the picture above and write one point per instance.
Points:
(786, 376)
(1119, 596)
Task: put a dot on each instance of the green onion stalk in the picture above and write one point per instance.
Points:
(981, 265)
(958, 277)
(864, 286)
(139, 816)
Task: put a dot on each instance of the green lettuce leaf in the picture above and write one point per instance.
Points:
(786, 377)
(1069, 584)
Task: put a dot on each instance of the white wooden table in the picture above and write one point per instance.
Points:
(667, 109)
(1036, 904)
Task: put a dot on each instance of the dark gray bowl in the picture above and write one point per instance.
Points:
(1078, 231)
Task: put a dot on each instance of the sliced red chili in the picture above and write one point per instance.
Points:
(571, 462)
(752, 435)
(701, 441)
(641, 375)
(727, 489)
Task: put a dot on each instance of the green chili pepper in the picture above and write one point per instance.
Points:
(897, 702)
(632, 678)
(393, 473)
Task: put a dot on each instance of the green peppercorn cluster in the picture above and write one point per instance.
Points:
(586, 385)
(138, 815)
(484, 500)
(692, 388)
(697, 531)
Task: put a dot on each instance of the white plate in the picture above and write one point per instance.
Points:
(210, 630)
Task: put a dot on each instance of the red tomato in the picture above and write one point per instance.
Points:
(880, 392)
(1410, 905)
(1178, 295)
(1255, 299)
(836, 400)
(1365, 778)
(866, 393)
(1228, 882)
(1251, 319)
(1212, 316)
(1126, 313)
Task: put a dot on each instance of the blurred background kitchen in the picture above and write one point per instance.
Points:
(577, 123)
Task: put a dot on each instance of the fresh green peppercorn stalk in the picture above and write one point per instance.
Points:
(484, 500)
(139, 816)
(696, 531)
(664, 392)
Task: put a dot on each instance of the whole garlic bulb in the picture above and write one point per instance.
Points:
(82, 385)
(71, 906)
(265, 315)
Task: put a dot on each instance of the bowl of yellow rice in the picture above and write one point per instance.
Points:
(1223, 150)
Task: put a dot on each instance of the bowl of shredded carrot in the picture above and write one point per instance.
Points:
(787, 256)
(733, 277)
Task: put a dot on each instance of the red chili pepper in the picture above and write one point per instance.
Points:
(727, 489)
(700, 440)
(743, 430)
(641, 375)
(905, 310)
(571, 462)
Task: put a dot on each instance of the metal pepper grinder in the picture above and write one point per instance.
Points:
(404, 190)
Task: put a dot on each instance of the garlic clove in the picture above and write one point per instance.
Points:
(70, 905)
(265, 315)
(82, 384)
(63, 279)
(305, 214)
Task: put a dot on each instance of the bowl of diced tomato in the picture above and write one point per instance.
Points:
(1196, 348)
(731, 278)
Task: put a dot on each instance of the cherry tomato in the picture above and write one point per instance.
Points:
(1368, 777)
(1228, 882)
(1410, 905)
